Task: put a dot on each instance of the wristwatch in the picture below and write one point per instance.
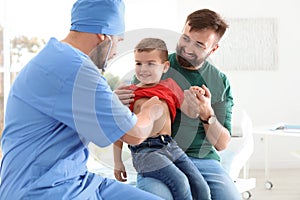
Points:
(211, 120)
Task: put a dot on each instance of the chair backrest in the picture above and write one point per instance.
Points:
(239, 150)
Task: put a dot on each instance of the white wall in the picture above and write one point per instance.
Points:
(269, 97)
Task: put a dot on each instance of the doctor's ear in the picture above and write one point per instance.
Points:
(101, 38)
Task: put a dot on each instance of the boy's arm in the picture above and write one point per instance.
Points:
(188, 110)
(186, 104)
(119, 168)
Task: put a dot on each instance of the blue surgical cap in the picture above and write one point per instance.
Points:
(98, 16)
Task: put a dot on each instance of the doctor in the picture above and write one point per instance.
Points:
(59, 103)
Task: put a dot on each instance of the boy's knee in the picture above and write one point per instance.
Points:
(186, 189)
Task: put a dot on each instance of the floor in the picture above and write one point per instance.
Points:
(286, 185)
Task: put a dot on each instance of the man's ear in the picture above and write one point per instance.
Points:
(214, 49)
(101, 37)
(166, 66)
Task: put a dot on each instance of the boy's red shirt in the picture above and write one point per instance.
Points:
(167, 90)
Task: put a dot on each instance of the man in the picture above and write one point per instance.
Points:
(59, 103)
(203, 137)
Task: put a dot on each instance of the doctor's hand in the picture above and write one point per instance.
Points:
(125, 95)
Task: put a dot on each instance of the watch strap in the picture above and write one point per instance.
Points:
(204, 121)
(207, 121)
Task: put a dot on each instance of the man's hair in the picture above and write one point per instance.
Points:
(151, 44)
(207, 19)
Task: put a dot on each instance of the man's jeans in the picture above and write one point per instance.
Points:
(221, 185)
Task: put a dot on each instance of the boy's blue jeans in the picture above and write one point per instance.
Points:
(221, 185)
(161, 158)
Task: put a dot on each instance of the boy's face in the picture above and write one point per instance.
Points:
(149, 67)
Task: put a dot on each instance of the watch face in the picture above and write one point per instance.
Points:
(212, 119)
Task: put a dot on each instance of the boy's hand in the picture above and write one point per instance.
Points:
(120, 172)
(197, 91)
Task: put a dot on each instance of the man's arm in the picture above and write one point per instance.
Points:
(150, 111)
(216, 133)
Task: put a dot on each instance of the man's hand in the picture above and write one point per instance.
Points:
(190, 103)
(125, 95)
(199, 98)
(154, 105)
(205, 109)
(152, 112)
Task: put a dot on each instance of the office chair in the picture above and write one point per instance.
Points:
(234, 158)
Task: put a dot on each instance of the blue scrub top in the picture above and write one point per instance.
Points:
(58, 103)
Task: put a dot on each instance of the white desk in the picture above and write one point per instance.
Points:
(267, 132)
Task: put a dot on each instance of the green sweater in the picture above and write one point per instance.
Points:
(189, 133)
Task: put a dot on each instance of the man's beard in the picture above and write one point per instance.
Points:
(183, 62)
(98, 54)
(189, 63)
(97, 57)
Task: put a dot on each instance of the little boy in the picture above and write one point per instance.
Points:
(160, 157)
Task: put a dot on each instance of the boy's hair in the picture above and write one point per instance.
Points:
(207, 19)
(150, 44)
